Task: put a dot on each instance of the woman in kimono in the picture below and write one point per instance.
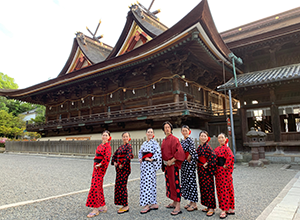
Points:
(224, 182)
(172, 156)
(206, 169)
(188, 170)
(121, 161)
(96, 197)
(150, 159)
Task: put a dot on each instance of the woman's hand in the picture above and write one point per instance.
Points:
(169, 163)
(205, 165)
(115, 163)
(140, 160)
(120, 166)
(148, 159)
(225, 167)
(98, 165)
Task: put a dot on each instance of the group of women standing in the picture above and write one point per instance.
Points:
(212, 166)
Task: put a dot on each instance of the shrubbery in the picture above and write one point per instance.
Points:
(2, 142)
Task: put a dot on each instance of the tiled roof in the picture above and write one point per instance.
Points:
(264, 77)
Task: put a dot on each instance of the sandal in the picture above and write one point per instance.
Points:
(223, 215)
(102, 210)
(191, 208)
(121, 211)
(187, 206)
(205, 210)
(93, 214)
(170, 206)
(144, 211)
(176, 212)
(210, 213)
(153, 208)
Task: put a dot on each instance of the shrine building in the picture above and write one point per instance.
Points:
(181, 74)
(152, 74)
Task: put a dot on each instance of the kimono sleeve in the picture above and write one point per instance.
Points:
(107, 155)
(229, 158)
(140, 151)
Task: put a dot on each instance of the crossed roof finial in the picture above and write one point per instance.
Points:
(94, 35)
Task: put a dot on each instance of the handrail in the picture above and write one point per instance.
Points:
(134, 112)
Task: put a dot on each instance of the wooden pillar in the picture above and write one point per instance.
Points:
(46, 114)
(176, 90)
(244, 123)
(204, 98)
(275, 117)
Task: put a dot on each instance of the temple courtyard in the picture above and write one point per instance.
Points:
(35, 186)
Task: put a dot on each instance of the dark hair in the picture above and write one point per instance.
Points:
(205, 132)
(185, 126)
(125, 133)
(169, 123)
(149, 129)
(222, 134)
(106, 131)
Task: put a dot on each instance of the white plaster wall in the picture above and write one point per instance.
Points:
(134, 135)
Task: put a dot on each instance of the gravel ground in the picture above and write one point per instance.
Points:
(30, 177)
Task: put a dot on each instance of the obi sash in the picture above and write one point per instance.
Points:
(186, 155)
(221, 161)
(202, 159)
(166, 162)
(146, 154)
(120, 158)
(98, 158)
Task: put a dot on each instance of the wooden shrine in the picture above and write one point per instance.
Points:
(151, 75)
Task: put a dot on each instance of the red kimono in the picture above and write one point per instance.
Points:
(96, 197)
(122, 156)
(224, 181)
(170, 148)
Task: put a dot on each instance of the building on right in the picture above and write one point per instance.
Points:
(269, 91)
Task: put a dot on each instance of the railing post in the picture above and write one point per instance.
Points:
(108, 111)
(186, 111)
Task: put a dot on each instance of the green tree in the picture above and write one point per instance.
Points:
(11, 126)
(7, 82)
(11, 122)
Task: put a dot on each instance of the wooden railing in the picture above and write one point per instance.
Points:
(148, 112)
(285, 136)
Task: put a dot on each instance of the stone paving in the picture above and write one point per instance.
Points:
(43, 183)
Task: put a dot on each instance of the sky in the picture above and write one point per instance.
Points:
(36, 36)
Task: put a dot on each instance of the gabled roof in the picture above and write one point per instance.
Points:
(274, 26)
(138, 17)
(278, 74)
(93, 51)
(196, 28)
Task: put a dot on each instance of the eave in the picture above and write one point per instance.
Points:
(197, 25)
